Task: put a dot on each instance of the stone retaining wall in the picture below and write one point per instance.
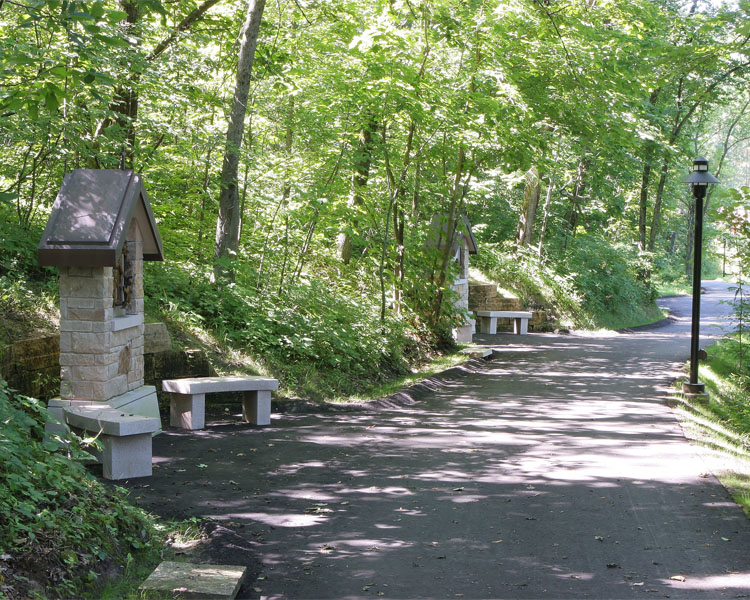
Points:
(484, 296)
(33, 366)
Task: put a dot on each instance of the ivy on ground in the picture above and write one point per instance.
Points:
(58, 524)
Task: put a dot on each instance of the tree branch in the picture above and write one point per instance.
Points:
(184, 25)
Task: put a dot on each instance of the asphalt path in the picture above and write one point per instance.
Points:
(555, 471)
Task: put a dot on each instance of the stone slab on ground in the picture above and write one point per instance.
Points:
(478, 352)
(187, 580)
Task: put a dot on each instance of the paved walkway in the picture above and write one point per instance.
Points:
(556, 472)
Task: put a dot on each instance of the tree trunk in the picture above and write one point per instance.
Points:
(571, 217)
(643, 203)
(648, 154)
(360, 176)
(125, 102)
(545, 214)
(228, 222)
(656, 219)
(531, 195)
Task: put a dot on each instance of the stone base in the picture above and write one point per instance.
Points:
(185, 580)
(56, 410)
(693, 388)
(140, 401)
(462, 335)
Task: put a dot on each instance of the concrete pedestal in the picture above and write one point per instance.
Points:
(187, 411)
(256, 407)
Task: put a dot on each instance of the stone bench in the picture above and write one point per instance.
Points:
(125, 438)
(488, 320)
(187, 408)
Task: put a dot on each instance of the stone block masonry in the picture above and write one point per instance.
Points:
(101, 345)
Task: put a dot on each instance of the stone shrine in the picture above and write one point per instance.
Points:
(463, 244)
(100, 231)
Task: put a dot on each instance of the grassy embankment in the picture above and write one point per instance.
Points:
(722, 426)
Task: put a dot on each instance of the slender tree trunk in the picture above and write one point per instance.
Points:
(571, 217)
(531, 195)
(643, 203)
(360, 176)
(204, 193)
(656, 219)
(648, 153)
(545, 215)
(228, 222)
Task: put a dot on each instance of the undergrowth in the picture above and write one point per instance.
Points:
(594, 284)
(62, 533)
(319, 343)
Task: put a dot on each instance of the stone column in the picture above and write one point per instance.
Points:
(87, 366)
(101, 347)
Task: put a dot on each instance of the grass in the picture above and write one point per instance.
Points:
(631, 317)
(674, 288)
(722, 426)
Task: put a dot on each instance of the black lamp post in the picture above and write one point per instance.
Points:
(698, 180)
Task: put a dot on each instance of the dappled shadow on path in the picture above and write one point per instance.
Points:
(557, 471)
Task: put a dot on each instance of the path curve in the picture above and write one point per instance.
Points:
(556, 472)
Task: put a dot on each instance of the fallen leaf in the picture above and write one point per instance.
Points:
(725, 539)
(678, 578)
(202, 466)
(240, 454)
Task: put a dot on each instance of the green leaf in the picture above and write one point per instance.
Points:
(115, 16)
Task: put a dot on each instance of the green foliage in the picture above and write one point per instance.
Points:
(317, 340)
(595, 284)
(55, 517)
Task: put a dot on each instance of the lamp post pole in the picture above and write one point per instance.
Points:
(699, 180)
(696, 387)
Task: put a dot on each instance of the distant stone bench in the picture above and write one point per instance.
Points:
(125, 438)
(187, 408)
(488, 320)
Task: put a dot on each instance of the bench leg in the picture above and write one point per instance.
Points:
(520, 326)
(488, 325)
(127, 456)
(187, 411)
(256, 407)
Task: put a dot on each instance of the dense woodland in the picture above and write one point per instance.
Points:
(296, 152)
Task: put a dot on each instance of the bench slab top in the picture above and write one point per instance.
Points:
(109, 420)
(507, 314)
(231, 383)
